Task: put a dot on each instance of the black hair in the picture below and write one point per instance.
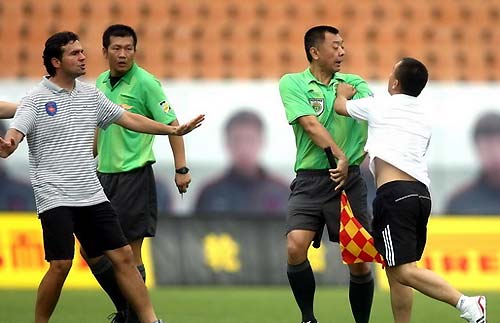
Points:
(412, 76)
(118, 30)
(487, 125)
(54, 48)
(244, 117)
(316, 35)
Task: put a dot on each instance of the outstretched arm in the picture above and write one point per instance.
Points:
(9, 144)
(142, 124)
(7, 109)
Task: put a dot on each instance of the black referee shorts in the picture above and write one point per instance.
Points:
(133, 196)
(314, 202)
(96, 227)
(401, 210)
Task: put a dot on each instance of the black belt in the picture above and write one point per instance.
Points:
(352, 168)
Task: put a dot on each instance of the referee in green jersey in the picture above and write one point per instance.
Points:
(315, 199)
(125, 157)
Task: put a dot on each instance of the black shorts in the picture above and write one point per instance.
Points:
(96, 227)
(314, 202)
(401, 210)
(133, 196)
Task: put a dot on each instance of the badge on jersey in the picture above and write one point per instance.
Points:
(317, 105)
(165, 106)
(51, 108)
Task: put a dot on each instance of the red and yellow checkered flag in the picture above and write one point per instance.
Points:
(356, 243)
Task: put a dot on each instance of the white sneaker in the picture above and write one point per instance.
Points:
(475, 310)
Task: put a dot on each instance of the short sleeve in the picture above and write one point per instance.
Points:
(360, 108)
(25, 117)
(107, 111)
(157, 102)
(294, 99)
(362, 89)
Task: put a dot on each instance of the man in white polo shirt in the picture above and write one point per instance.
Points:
(59, 118)
(398, 137)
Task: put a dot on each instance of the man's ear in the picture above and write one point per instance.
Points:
(56, 62)
(314, 53)
(395, 84)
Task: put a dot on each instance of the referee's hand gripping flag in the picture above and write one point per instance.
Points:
(356, 243)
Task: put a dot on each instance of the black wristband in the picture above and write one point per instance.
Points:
(182, 170)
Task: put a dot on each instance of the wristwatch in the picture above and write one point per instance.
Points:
(182, 170)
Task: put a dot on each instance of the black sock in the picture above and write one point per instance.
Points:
(132, 316)
(105, 276)
(361, 297)
(303, 285)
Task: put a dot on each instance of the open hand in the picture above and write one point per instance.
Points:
(185, 128)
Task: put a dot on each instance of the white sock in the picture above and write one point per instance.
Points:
(461, 302)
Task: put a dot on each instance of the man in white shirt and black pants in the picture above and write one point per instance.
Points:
(398, 137)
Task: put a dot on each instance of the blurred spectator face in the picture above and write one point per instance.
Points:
(244, 143)
(487, 141)
(488, 148)
(120, 54)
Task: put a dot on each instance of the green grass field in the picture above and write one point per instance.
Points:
(228, 305)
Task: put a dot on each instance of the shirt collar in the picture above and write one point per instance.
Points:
(236, 175)
(127, 77)
(405, 96)
(56, 88)
(310, 78)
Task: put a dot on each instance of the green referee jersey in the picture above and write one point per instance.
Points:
(120, 149)
(303, 95)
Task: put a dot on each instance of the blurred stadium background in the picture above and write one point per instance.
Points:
(218, 56)
(227, 39)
